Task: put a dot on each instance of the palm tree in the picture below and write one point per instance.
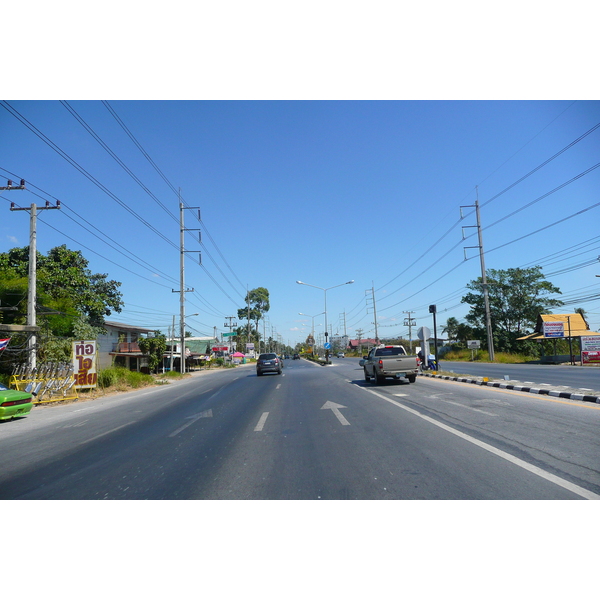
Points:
(451, 328)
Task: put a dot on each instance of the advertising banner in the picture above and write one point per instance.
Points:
(590, 349)
(554, 329)
(84, 364)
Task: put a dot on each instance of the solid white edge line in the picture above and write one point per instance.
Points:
(587, 494)
(261, 422)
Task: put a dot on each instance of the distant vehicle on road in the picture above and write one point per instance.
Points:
(296, 356)
(269, 363)
(384, 362)
(340, 355)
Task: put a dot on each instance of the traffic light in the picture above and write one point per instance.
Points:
(432, 308)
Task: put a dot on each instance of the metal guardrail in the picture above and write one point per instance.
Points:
(50, 382)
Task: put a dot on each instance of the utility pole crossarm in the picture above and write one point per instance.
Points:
(32, 276)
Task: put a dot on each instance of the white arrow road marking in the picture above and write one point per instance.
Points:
(261, 422)
(194, 418)
(335, 409)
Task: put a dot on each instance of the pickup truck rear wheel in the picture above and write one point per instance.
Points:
(411, 378)
(377, 380)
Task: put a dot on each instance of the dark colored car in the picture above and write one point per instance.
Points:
(296, 356)
(269, 363)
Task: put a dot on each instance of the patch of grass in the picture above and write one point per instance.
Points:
(137, 380)
(171, 375)
(483, 356)
(122, 379)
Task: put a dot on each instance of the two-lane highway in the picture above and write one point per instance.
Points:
(311, 433)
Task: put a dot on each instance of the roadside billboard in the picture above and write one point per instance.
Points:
(554, 329)
(85, 371)
(590, 349)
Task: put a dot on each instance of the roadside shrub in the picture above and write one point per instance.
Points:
(107, 377)
(119, 376)
(483, 356)
(137, 380)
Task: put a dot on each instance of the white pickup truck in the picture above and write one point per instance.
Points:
(390, 362)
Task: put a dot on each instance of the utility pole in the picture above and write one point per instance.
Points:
(182, 291)
(484, 285)
(372, 290)
(359, 333)
(410, 322)
(231, 326)
(32, 279)
(172, 336)
(343, 316)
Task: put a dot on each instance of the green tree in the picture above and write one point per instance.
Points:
(451, 327)
(65, 286)
(155, 348)
(257, 304)
(464, 333)
(516, 297)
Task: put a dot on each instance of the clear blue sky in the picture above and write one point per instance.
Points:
(318, 191)
(308, 190)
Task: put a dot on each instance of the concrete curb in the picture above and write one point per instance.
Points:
(519, 388)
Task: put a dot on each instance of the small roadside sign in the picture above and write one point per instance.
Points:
(473, 344)
(554, 329)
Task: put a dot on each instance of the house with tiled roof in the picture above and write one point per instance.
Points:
(119, 346)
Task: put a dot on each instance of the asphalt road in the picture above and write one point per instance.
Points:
(311, 433)
(585, 378)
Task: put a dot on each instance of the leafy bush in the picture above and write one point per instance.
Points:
(119, 376)
(107, 377)
(483, 355)
(137, 380)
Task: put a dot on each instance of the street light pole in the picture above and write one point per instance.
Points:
(312, 331)
(325, 296)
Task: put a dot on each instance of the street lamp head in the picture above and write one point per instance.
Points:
(299, 282)
(351, 281)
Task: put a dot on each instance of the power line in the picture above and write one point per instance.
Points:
(175, 191)
(546, 162)
(115, 157)
(113, 242)
(77, 166)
